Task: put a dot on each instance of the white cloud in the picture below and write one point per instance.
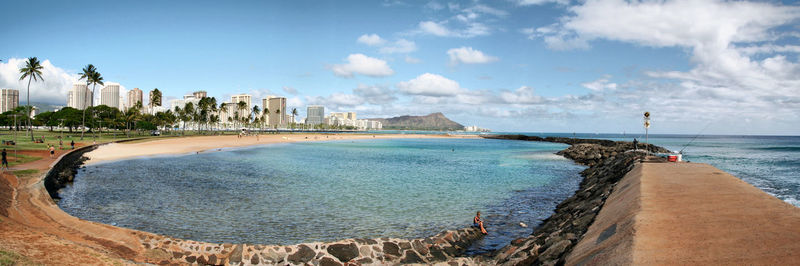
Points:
(53, 87)
(433, 5)
(430, 85)
(600, 84)
(434, 28)
(363, 65)
(336, 100)
(400, 46)
(412, 60)
(290, 90)
(541, 2)
(467, 55)
(371, 39)
(375, 94)
(740, 67)
(523, 95)
(471, 29)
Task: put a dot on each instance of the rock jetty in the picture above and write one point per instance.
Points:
(553, 240)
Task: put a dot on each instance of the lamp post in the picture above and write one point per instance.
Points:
(646, 126)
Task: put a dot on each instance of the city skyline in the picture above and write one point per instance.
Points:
(541, 66)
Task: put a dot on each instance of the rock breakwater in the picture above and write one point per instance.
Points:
(64, 170)
(443, 247)
(552, 241)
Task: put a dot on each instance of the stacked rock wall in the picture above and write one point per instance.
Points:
(552, 241)
(445, 246)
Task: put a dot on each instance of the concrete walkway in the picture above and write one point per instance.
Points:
(689, 213)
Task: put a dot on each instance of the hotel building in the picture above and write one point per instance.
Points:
(79, 97)
(134, 96)
(200, 94)
(277, 111)
(315, 114)
(9, 99)
(109, 96)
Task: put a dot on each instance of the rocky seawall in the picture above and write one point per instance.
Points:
(64, 170)
(552, 241)
(443, 247)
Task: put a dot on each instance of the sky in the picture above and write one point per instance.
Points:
(594, 66)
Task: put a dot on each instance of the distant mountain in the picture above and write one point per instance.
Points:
(434, 121)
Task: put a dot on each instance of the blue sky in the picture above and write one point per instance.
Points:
(526, 65)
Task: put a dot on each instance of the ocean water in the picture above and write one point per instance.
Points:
(771, 163)
(327, 191)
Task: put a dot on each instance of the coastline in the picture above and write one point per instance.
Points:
(573, 225)
(186, 145)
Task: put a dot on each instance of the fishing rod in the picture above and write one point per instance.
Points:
(695, 137)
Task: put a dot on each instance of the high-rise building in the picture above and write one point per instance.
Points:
(109, 96)
(122, 105)
(315, 114)
(277, 111)
(134, 96)
(246, 98)
(9, 99)
(200, 94)
(80, 96)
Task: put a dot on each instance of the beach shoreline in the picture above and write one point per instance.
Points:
(195, 144)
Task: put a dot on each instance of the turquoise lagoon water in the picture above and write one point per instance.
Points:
(326, 191)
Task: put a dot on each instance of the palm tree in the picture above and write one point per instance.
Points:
(294, 113)
(256, 113)
(186, 114)
(278, 112)
(155, 99)
(265, 115)
(223, 108)
(92, 77)
(242, 106)
(32, 71)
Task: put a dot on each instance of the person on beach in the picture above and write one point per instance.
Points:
(635, 144)
(5, 160)
(478, 223)
(52, 149)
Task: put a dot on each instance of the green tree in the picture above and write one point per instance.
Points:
(223, 108)
(242, 106)
(32, 71)
(155, 98)
(256, 114)
(92, 78)
(294, 113)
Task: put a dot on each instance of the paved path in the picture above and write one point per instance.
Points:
(689, 213)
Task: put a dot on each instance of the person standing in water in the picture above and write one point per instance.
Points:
(477, 222)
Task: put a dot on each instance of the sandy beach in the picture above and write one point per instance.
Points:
(183, 145)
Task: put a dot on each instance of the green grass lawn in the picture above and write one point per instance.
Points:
(20, 158)
(9, 258)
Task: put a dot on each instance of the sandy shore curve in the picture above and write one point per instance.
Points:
(184, 145)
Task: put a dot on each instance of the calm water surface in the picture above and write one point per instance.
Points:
(326, 191)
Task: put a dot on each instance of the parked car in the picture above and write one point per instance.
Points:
(155, 133)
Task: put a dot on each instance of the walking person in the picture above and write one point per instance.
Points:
(52, 149)
(5, 160)
(72, 143)
(635, 144)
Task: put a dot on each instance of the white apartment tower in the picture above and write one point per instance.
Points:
(79, 97)
(277, 111)
(109, 96)
(134, 96)
(9, 99)
(315, 114)
(247, 99)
